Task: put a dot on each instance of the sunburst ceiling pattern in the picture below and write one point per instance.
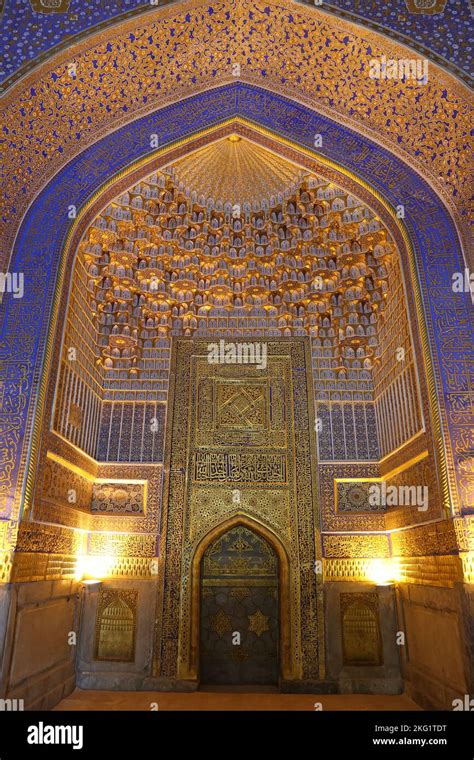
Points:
(161, 264)
(236, 171)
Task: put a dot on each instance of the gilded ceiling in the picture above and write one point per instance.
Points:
(236, 171)
(316, 262)
(88, 113)
(49, 25)
(126, 71)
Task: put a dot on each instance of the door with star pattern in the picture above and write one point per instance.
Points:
(239, 611)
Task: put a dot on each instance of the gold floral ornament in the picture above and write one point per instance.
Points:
(258, 623)
(236, 171)
(50, 6)
(220, 623)
(427, 7)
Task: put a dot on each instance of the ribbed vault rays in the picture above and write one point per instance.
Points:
(236, 171)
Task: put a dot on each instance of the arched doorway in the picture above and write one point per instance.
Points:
(239, 628)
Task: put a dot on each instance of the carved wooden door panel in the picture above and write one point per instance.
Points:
(239, 611)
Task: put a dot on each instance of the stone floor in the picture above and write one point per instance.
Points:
(217, 699)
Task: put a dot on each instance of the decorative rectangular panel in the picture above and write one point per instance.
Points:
(116, 625)
(253, 467)
(353, 496)
(131, 432)
(360, 625)
(347, 432)
(118, 498)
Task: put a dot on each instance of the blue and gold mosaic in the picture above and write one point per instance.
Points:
(44, 230)
(56, 111)
(29, 36)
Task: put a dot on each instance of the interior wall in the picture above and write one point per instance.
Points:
(79, 389)
(436, 658)
(360, 547)
(40, 643)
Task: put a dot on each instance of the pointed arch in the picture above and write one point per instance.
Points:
(287, 671)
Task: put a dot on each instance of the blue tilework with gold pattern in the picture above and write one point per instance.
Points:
(28, 36)
(24, 321)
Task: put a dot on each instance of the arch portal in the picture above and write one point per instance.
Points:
(239, 610)
(244, 320)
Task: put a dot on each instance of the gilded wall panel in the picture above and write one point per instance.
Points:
(119, 498)
(464, 528)
(121, 545)
(149, 520)
(374, 546)
(468, 567)
(66, 488)
(54, 539)
(360, 628)
(354, 497)
(435, 538)
(39, 566)
(211, 505)
(116, 625)
(355, 516)
(236, 410)
(433, 571)
(347, 569)
(418, 484)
